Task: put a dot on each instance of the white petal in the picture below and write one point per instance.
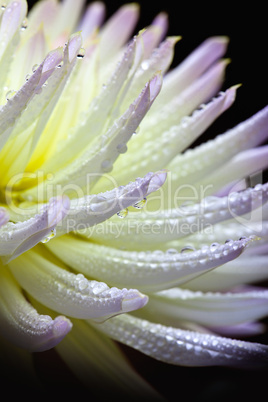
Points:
(245, 270)
(91, 210)
(98, 159)
(172, 140)
(101, 108)
(10, 113)
(117, 30)
(196, 163)
(16, 238)
(185, 348)
(208, 309)
(138, 232)
(159, 60)
(92, 19)
(200, 60)
(10, 26)
(71, 294)
(148, 271)
(20, 322)
(244, 164)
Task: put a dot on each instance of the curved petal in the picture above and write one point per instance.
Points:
(159, 60)
(245, 270)
(20, 322)
(243, 165)
(28, 127)
(172, 139)
(186, 348)
(196, 163)
(10, 26)
(148, 271)
(11, 111)
(87, 168)
(208, 309)
(117, 30)
(91, 210)
(92, 19)
(196, 64)
(71, 294)
(138, 232)
(100, 110)
(16, 238)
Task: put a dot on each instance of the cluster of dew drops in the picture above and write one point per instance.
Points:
(138, 205)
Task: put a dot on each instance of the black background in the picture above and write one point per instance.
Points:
(246, 26)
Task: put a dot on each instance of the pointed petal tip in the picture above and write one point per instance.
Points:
(155, 85)
(74, 45)
(62, 326)
(58, 209)
(157, 181)
(53, 59)
(134, 301)
(221, 39)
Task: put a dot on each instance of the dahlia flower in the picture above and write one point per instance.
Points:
(112, 227)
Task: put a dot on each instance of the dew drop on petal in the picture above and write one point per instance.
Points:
(123, 213)
(10, 94)
(49, 236)
(35, 67)
(145, 65)
(171, 251)
(81, 53)
(214, 246)
(106, 166)
(3, 6)
(24, 24)
(187, 249)
(140, 204)
(27, 77)
(121, 148)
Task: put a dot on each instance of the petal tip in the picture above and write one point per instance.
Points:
(157, 181)
(134, 301)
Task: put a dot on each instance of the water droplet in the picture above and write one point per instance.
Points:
(187, 249)
(145, 65)
(140, 204)
(10, 94)
(172, 251)
(228, 241)
(49, 236)
(242, 238)
(210, 200)
(35, 67)
(3, 6)
(27, 77)
(81, 53)
(60, 64)
(107, 166)
(24, 24)
(122, 214)
(214, 246)
(122, 148)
